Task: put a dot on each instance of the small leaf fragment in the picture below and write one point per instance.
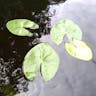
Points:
(41, 55)
(17, 27)
(57, 32)
(67, 27)
(31, 63)
(72, 30)
(79, 49)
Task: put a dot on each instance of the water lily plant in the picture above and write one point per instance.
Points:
(43, 57)
(76, 47)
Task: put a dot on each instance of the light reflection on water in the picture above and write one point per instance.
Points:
(74, 77)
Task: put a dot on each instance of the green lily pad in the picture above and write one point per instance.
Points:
(18, 27)
(41, 55)
(67, 27)
(79, 49)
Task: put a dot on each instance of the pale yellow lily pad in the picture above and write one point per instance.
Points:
(79, 49)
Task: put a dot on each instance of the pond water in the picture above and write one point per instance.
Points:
(74, 77)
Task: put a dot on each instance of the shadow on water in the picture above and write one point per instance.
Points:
(14, 48)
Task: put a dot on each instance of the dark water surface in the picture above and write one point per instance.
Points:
(74, 77)
(13, 48)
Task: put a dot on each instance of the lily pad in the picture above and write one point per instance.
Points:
(18, 27)
(79, 49)
(67, 27)
(41, 55)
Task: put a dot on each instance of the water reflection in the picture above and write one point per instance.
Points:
(74, 77)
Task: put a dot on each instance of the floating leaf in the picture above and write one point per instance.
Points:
(67, 27)
(41, 55)
(79, 49)
(17, 27)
